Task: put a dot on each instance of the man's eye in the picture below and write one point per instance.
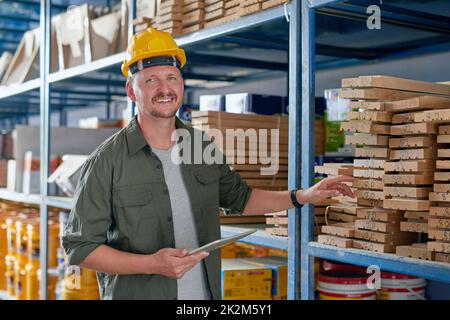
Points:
(172, 78)
(150, 80)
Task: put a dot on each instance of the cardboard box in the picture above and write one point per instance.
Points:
(279, 274)
(242, 280)
(212, 102)
(66, 176)
(253, 103)
(31, 174)
(104, 33)
(24, 65)
(5, 60)
(73, 36)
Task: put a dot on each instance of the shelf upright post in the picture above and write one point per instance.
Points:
(294, 148)
(131, 16)
(307, 163)
(44, 63)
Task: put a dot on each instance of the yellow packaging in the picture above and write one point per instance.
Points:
(2, 274)
(228, 251)
(242, 280)
(9, 275)
(277, 253)
(279, 274)
(244, 250)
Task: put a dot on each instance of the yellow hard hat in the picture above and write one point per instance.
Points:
(152, 43)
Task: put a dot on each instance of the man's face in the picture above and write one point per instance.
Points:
(157, 91)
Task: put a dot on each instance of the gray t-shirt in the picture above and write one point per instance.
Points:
(193, 285)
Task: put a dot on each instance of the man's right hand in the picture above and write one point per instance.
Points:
(174, 263)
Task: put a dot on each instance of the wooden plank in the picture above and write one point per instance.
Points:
(370, 203)
(277, 220)
(438, 246)
(334, 241)
(444, 129)
(417, 252)
(417, 215)
(279, 231)
(396, 83)
(443, 153)
(345, 230)
(369, 163)
(252, 118)
(419, 103)
(439, 223)
(377, 116)
(342, 217)
(377, 225)
(272, 3)
(419, 179)
(413, 154)
(364, 126)
(443, 164)
(372, 152)
(368, 173)
(335, 171)
(347, 209)
(407, 204)
(417, 227)
(412, 142)
(377, 94)
(441, 187)
(369, 194)
(442, 115)
(213, 14)
(442, 176)
(373, 246)
(443, 138)
(198, 5)
(368, 184)
(439, 196)
(440, 212)
(379, 214)
(367, 105)
(407, 192)
(442, 257)
(409, 166)
(367, 139)
(413, 128)
(386, 238)
(407, 117)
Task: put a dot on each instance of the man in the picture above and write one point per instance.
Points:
(136, 210)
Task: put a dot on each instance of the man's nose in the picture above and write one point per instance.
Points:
(163, 86)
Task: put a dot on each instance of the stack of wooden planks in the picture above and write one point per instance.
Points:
(193, 16)
(439, 219)
(222, 11)
(242, 138)
(395, 172)
(169, 17)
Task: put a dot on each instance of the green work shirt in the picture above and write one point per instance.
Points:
(122, 201)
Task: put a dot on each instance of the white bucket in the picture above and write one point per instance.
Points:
(335, 285)
(395, 286)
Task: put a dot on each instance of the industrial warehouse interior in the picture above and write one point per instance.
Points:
(320, 139)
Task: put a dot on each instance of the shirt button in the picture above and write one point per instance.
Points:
(169, 219)
(158, 166)
(165, 191)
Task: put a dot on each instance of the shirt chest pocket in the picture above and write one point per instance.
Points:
(207, 181)
(130, 204)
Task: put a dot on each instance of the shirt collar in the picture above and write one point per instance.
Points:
(135, 138)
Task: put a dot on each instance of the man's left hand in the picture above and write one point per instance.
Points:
(326, 188)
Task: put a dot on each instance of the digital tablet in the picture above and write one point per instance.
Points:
(221, 242)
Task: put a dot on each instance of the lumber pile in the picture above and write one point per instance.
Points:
(394, 158)
(241, 137)
(439, 218)
(221, 11)
(169, 17)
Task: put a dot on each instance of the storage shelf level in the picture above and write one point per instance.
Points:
(431, 270)
(260, 237)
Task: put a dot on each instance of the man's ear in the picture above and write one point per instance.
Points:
(130, 90)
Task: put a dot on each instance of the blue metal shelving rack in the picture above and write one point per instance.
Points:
(309, 249)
